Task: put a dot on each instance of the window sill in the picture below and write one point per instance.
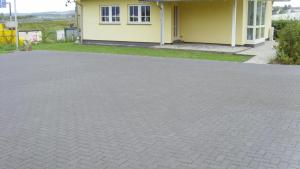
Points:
(138, 23)
(110, 23)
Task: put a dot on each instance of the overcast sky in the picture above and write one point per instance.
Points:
(29, 6)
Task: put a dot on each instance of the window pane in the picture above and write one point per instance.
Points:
(257, 36)
(147, 10)
(118, 11)
(136, 11)
(131, 11)
(105, 11)
(143, 10)
(250, 34)
(258, 13)
(262, 32)
(264, 5)
(250, 13)
(113, 9)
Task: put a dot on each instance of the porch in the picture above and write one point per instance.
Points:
(205, 47)
(262, 54)
(231, 22)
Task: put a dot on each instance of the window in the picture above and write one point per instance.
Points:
(145, 13)
(250, 13)
(133, 14)
(256, 19)
(139, 14)
(115, 14)
(110, 14)
(105, 14)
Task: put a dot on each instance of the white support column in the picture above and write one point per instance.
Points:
(162, 24)
(233, 33)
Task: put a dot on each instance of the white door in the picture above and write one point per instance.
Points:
(256, 21)
(176, 35)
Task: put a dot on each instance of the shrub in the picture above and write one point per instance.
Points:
(288, 50)
(279, 25)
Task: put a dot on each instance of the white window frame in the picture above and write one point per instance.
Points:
(139, 22)
(110, 21)
(255, 26)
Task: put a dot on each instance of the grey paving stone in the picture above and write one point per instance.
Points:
(98, 111)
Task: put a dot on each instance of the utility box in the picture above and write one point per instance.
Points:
(68, 34)
(60, 35)
(71, 34)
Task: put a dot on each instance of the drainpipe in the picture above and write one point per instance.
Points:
(81, 20)
(162, 22)
(81, 24)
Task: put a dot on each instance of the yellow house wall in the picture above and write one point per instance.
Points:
(94, 30)
(210, 21)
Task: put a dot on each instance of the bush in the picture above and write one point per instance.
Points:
(288, 50)
(279, 25)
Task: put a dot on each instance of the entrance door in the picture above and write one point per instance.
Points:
(256, 21)
(176, 35)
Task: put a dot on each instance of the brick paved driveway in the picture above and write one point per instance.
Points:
(91, 111)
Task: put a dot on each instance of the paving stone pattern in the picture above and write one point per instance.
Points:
(63, 110)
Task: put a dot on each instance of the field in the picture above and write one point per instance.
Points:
(48, 28)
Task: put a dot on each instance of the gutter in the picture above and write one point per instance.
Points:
(81, 19)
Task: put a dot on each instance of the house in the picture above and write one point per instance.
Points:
(230, 22)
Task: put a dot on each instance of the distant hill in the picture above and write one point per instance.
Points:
(42, 16)
(49, 13)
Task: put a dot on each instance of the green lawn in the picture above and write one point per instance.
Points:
(50, 25)
(71, 47)
(2, 52)
(6, 48)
